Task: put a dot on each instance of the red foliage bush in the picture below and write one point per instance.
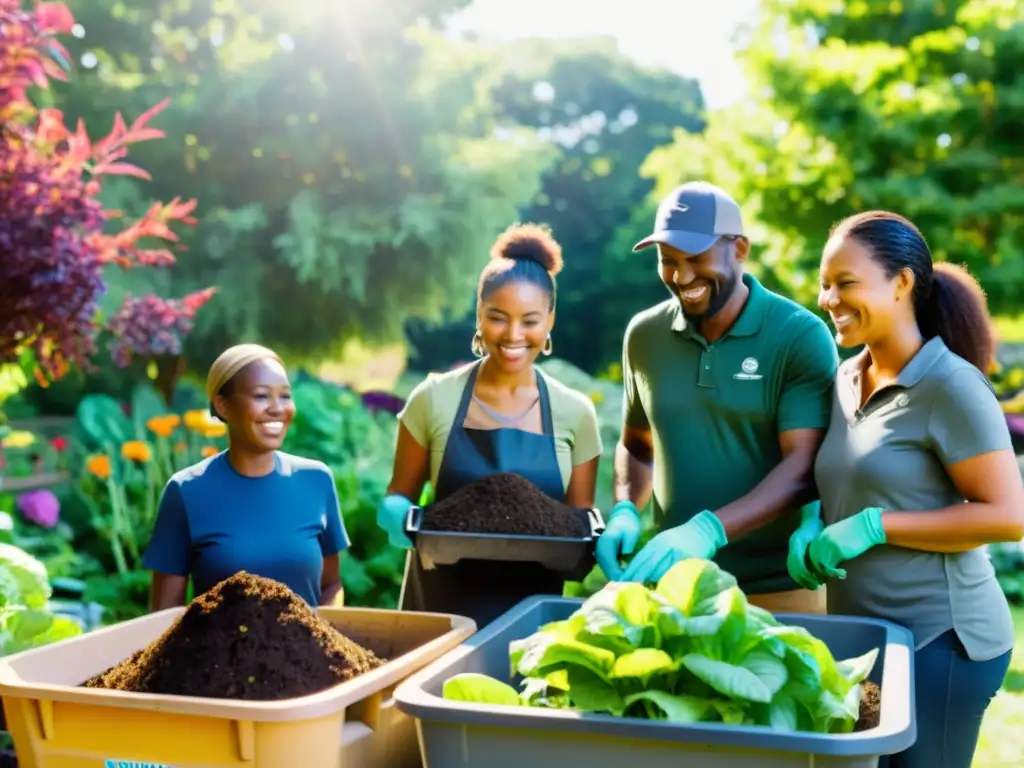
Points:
(54, 236)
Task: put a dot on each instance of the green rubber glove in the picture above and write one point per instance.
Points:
(808, 530)
(701, 537)
(391, 515)
(846, 540)
(620, 535)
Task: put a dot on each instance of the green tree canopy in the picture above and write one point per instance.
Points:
(350, 164)
(913, 106)
(604, 113)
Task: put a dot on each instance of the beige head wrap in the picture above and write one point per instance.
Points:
(231, 361)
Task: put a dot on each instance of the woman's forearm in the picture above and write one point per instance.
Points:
(330, 593)
(167, 591)
(958, 528)
(582, 485)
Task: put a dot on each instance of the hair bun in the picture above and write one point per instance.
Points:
(529, 242)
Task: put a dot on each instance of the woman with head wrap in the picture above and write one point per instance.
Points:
(499, 414)
(253, 507)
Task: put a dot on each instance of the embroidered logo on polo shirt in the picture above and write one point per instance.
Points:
(748, 370)
(899, 402)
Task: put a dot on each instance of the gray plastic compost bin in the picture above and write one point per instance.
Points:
(456, 734)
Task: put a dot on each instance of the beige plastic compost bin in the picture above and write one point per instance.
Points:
(56, 724)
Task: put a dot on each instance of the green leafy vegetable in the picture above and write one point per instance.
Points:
(25, 621)
(23, 579)
(690, 650)
(25, 628)
(480, 689)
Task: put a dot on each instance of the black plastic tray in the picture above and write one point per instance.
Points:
(564, 555)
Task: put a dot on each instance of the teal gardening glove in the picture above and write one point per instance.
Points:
(701, 537)
(846, 540)
(391, 516)
(620, 535)
(809, 529)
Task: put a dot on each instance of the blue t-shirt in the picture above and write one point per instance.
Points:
(214, 522)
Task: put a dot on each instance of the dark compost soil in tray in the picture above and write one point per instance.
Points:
(870, 707)
(247, 638)
(505, 504)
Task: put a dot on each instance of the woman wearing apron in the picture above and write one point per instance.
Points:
(498, 414)
(917, 474)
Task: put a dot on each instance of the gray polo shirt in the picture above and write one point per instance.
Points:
(892, 454)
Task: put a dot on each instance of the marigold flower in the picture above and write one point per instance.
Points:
(99, 465)
(164, 426)
(209, 450)
(215, 430)
(197, 420)
(136, 450)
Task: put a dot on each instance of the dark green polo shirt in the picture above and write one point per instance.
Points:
(716, 411)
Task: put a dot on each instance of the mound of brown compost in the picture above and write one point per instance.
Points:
(870, 707)
(247, 638)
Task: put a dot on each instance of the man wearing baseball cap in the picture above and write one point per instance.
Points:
(728, 392)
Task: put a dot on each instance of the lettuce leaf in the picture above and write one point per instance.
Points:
(22, 629)
(25, 621)
(690, 650)
(23, 578)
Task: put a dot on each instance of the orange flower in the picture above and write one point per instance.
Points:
(214, 430)
(99, 465)
(180, 447)
(197, 420)
(136, 450)
(163, 426)
(209, 450)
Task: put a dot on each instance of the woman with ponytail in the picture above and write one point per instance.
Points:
(498, 414)
(916, 474)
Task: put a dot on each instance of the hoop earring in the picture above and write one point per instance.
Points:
(476, 346)
(549, 346)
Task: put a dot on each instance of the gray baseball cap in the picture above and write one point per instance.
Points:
(692, 218)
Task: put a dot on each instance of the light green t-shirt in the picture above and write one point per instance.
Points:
(430, 411)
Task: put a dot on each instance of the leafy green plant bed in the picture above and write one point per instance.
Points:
(690, 650)
(26, 620)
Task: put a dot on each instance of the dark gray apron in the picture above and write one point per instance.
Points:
(484, 589)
